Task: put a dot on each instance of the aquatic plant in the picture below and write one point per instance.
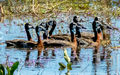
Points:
(69, 64)
(10, 70)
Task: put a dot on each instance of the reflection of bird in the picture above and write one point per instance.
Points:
(19, 43)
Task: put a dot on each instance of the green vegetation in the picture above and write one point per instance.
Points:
(10, 70)
(69, 64)
(51, 8)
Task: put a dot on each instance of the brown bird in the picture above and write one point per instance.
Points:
(19, 43)
(84, 38)
(53, 42)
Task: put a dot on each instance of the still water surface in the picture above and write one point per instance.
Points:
(104, 61)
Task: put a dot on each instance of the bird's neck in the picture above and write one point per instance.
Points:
(45, 36)
(78, 32)
(47, 26)
(51, 31)
(28, 35)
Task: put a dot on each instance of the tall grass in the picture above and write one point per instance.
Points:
(51, 8)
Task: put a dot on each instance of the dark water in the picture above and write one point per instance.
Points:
(92, 61)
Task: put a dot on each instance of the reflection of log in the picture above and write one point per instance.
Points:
(96, 55)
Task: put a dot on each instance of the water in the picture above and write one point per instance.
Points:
(104, 61)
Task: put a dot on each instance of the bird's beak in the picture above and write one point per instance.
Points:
(106, 25)
(84, 28)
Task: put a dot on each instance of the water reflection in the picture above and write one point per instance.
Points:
(99, 56)
(96, 54)
(39, 49)
(96, 58)
(75, 54)
(109, 61)
(45, 52)
(27, 58)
